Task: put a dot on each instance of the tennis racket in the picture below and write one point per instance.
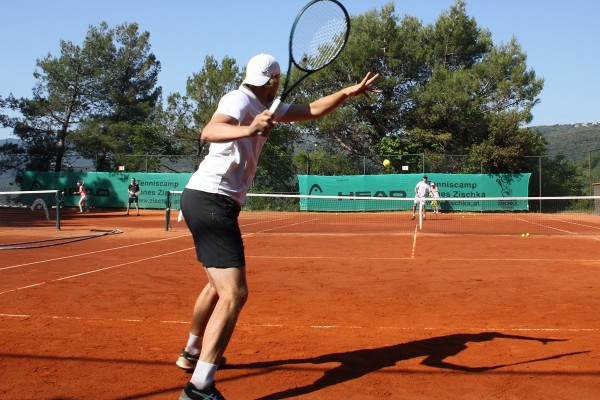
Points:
(318, 36)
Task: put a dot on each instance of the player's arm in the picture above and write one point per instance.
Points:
(325, 105)
(223, 128)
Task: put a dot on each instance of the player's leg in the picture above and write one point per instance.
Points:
(205, 304)
(137, 206)
(414, 209)
(212, 219)
(232, 291)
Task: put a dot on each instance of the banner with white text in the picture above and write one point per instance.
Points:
(463, 186)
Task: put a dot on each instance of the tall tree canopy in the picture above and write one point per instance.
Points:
(97, 99)
(446, 89)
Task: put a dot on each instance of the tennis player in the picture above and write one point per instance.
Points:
(421, 192)
(435, 193)
(82, 198)
(133, 191)
(212, 200)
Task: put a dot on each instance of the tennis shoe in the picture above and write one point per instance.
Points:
(424, 217)
(191, 393)
(413, 217)
(187, 361)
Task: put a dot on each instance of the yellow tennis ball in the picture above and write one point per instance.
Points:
(386, 163)
(522, 235)
(527, 234)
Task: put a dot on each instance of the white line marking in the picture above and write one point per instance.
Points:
(268, 325)
(90, 252)
(414, 244)
(412, 257)
(95, 271)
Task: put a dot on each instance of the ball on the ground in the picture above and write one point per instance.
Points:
(522, 235)
(386, 163)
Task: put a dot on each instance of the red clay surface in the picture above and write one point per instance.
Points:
(414, 315)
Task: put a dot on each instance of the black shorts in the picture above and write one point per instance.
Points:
(133, 200)
(213, 221)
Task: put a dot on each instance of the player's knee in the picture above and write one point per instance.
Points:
(236, 297)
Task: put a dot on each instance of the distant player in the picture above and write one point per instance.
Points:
(435, 193)
(421, 192)
(82, 198)
(134, 192)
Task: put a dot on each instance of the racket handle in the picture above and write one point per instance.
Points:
(274, 108)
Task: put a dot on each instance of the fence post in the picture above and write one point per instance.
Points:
(540, 180)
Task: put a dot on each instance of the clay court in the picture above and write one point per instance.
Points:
(467, 308)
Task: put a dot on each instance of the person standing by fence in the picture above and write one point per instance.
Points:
(82, 198)
(435, 193)
(134, 191)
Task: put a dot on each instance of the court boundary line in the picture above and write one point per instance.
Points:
(93, 271)
(411, 257)
(89, 253)
(284, 326)
(414, 243)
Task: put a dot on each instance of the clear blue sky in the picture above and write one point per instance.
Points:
(560, 38)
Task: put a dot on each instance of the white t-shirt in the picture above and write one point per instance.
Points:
(229, 168)
(422, 189)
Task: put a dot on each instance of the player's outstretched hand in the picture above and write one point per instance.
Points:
(364, 87)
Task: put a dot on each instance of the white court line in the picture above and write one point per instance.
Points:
(546, 226)
(90, 252)
(414, 244)
(94, 271)
(114, 266)
(596, 260)
(279, 227)
(349, 327)
(575, 223)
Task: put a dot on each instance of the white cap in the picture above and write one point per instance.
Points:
(260, 68)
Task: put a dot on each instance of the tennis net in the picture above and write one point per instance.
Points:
(277, 213)
(30, 208)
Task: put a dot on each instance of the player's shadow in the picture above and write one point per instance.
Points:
(355, 364)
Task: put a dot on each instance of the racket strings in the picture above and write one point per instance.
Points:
(319, 35)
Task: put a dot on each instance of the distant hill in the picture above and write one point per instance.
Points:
(9, 140)
(574, 141)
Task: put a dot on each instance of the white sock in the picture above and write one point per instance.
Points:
(204, 375)
(194, 344)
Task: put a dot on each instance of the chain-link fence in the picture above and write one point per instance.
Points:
(574, 174)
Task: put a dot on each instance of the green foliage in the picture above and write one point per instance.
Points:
(561, 177)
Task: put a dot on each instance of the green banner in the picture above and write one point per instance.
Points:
(461, 186)
(108, 189)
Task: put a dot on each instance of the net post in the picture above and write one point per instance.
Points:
(421, 207)
(57, 202)
(168, 210)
